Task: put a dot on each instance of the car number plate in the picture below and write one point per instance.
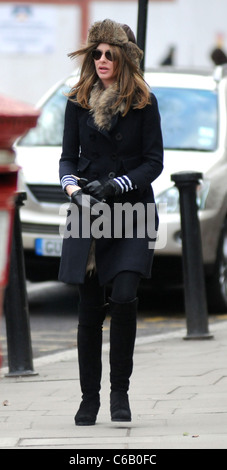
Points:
(48, 247)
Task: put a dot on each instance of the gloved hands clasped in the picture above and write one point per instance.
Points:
(99, 192)
(112, 188)
(102, 191)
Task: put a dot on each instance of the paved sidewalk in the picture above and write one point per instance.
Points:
(178, 398)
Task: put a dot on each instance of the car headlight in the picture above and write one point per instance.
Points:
(170, 197)
(202, 193)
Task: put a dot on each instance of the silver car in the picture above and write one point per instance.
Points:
(193, 108)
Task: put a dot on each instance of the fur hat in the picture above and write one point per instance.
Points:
(115, 34)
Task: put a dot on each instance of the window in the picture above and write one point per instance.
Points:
(189, 118)
(49, 129)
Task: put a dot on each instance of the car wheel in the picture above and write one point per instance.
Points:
(217, 283)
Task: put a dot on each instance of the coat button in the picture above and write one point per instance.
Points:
(118, 136)
(114, 156)
(111, 174)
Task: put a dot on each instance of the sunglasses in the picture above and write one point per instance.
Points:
(97, 54)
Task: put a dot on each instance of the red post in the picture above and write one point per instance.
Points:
(15, 119)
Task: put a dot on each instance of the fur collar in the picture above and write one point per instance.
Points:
(101, 102)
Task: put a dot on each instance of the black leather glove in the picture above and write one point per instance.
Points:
(111, 189)
(83, 200)
(82, 182)
(95, 189)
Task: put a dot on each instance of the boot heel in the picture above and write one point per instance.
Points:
(119, 407)
(87, 413)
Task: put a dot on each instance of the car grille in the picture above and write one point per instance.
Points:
(40, 228)
(48, 193)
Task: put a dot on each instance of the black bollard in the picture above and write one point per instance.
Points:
(194, 283)
(16, 310)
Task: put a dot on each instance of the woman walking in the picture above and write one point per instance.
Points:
(113, 145)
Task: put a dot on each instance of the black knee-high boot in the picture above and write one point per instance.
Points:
(89, 343)
(122, 340)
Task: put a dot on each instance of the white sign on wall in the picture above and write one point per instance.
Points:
(27, 29)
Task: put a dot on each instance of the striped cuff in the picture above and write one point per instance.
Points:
(125, 183)
(68, 179)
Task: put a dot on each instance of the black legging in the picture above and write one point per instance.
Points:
(124, 289)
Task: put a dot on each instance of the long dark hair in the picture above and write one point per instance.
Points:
(132, 89)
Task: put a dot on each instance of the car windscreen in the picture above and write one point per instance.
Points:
(189, 118)
(49, 129)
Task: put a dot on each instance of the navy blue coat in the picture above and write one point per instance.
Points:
(132, 146)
